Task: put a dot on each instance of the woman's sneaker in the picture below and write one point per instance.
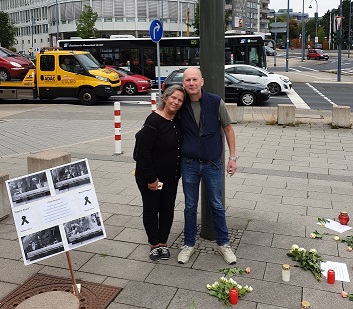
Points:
(164, 253)
(155, 254)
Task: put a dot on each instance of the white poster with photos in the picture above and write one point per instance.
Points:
(55, 210)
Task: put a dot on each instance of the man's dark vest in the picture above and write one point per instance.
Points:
(209, 145)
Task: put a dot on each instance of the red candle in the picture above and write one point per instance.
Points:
(233, 296)
(331, 276)
(343, 218)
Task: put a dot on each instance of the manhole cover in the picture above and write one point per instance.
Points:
(92, 295)
(209, 246)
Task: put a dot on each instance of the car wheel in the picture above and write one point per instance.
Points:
(130, 88)
(87, 96)
(307, 57)
(4, 75)
(317, 58)
(274, 88)
(247, 98)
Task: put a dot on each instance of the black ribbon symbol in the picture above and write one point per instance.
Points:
(24, 220)
(87, 200)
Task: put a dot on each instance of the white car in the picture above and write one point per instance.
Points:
(276, 83)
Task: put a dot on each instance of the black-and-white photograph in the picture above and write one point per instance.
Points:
(29, 188)
(83, 230)
(42, 244)
(70, 176)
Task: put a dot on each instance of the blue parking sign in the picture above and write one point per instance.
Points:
(156, 30)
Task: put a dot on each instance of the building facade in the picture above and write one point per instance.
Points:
(250, 16)
(40, 23)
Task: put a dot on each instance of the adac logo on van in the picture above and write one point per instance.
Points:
(48, 78)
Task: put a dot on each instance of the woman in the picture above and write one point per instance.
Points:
(158, 170)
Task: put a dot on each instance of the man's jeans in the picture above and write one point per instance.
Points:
(192, 171)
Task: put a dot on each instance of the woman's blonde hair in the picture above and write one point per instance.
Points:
(168, 92)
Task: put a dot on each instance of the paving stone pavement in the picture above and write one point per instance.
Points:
(287, 177)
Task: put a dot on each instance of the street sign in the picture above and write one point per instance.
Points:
(156, 30)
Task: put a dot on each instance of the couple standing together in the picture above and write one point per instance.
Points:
(189, 144)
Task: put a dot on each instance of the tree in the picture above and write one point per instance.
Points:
(7, 30)
(85, 24)
(196, 23)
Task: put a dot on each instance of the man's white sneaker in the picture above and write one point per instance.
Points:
(184, 255)
(227, 254)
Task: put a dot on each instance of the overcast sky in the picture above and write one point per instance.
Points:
(297, 6)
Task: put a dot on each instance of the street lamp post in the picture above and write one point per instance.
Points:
(250, 9)
(57, 20)
(287, 43)
(349, 27)
(316, 18)
(32, 20)
(303, 33)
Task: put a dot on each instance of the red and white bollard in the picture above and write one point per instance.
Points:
(153, 102)
(117, 127)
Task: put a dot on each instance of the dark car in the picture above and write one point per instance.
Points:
(317, 54)
(132, 83)
(236, 90)
(12, 65)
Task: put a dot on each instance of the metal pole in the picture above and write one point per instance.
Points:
(303, 33)
(32, 34)
(57, 21)
(349, 27)
(275, 33)
(316, 19)
(212, 66)
(339, 47)
(330, 32)
(250, 26)
(287, 43)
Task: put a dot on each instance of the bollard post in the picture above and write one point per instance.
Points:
(5, 208)
(153, 102)
(117, 128)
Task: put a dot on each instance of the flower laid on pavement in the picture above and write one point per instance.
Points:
(235, 271)
(308, 260)
(316, 234)
(349, 241)
(221, 289)
(344, 294)
(322, 221)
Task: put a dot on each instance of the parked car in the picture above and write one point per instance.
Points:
(276, 83)
(132, 83)
(270, 51)
(13, 66)
(317, 54)
(235, 90)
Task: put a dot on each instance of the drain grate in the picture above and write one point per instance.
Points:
(92, 295)
(208, 246)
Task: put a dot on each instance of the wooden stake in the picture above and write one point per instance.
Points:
(72, 274)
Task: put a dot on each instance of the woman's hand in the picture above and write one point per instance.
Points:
(153, 186)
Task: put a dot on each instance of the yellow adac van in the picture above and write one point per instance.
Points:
(64, 73)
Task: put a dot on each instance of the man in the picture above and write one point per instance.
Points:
(66, 65)
(202, 117)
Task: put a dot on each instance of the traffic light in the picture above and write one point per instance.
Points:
(335, 37)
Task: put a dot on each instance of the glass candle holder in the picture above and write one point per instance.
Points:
(343, 217)
(233, 296)
(331, 276)
(285, 272)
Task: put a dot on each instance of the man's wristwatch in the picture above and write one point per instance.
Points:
(233, 158)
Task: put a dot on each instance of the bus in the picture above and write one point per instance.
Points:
(139, 55)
